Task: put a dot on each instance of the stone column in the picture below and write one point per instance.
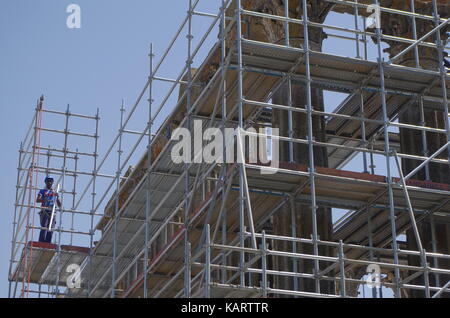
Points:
(273, 31)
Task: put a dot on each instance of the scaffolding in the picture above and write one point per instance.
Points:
(35, 265)
(201, 229)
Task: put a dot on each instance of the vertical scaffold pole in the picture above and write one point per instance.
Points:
(187, 261)
(92, 212)
(264, 264)
(33, 173)
(289, 84)
(207, 262)
(310, 144)
(426, 274)
(286, 23)
(290, 119)
(443, 75)
(443, 78)
(342, 267)
(363, 130)
(414, 31)
(240, 126)
(294, 244)
(74, 192)
(223, 53)
(61, 209)
(356, 14)
(13, 243)
(437, 280)
(149, 165)
(422, 114)
(387, 153)
(370, 236)
(49, 155)
(366, 53)
(425, 152)
(116, 211)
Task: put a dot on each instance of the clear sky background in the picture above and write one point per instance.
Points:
(96, 66)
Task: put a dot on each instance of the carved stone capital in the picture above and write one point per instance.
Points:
(401, 26)
(273, 31)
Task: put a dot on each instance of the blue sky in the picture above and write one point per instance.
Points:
(96, 66)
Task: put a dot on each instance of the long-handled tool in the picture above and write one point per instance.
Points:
(53, 210)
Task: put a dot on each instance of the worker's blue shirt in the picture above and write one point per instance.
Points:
(48, 196)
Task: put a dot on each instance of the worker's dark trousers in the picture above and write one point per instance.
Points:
(44, 235)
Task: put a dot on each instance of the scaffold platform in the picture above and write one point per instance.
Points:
(44, 267)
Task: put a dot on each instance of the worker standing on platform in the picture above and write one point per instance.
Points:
(47, 197)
